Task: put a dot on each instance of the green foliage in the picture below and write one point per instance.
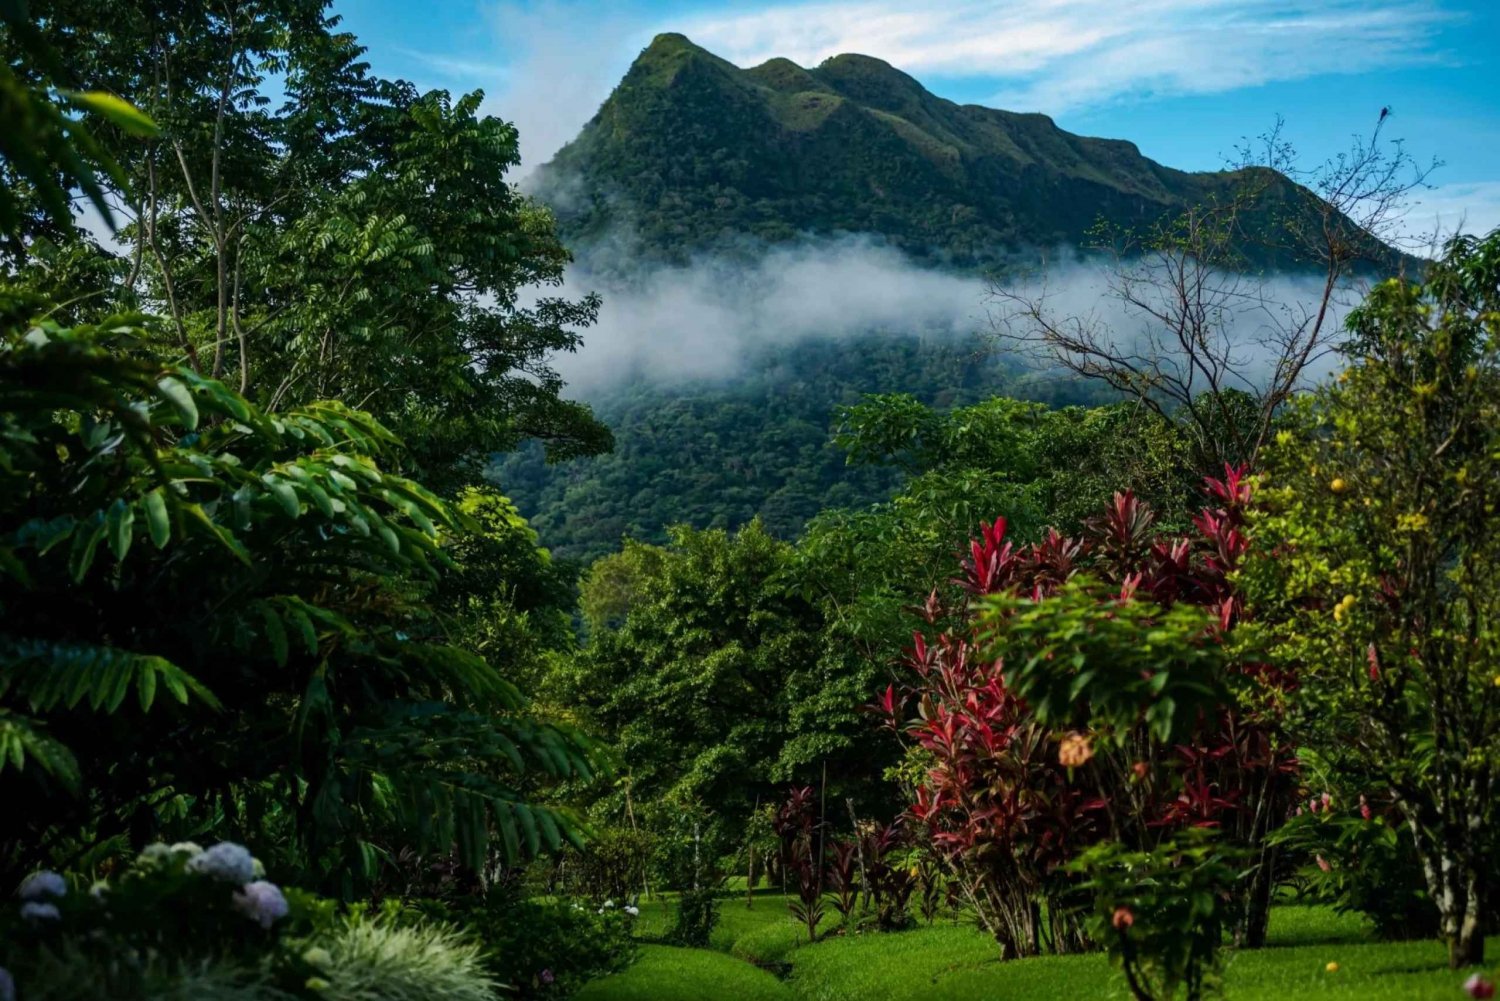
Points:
(696, 915)
(311, 231)
(168, 548)
(717, 454)
(505, 598)
(160, 927)
(1362, 865)
(612, 866)
(549, 949)
(44, 150)
(374, 959)
(1079, 659)
(695, 687)
(1162, 913)
(1376, 579)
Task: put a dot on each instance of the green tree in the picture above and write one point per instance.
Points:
(311, 231)
(212, 622)
(1378, 579)
(696, 683)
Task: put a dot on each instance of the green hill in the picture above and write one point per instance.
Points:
(691, 152)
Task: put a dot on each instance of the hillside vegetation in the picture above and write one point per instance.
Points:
(690, 151)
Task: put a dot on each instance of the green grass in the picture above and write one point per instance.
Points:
(956, 962)
(665, 973)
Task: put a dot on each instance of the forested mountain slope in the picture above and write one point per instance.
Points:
(693, 159)
(691, 151)
(717, 454)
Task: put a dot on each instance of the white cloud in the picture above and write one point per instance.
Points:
(1469, 207)
(567, 56)
(1056, 55)
(702, 320)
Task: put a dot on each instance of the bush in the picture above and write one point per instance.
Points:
(177, 922)
(183, 923)
(1162, 913)
(1367, 865)
(697, 914)
(612, 866)
(549, 949)
(381, 959)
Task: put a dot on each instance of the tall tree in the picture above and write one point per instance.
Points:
(1378, 576)
(312, 231)
(1209, 339)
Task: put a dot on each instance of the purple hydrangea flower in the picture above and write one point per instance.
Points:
(261, 902)
(42, 884)
(225, 861)
(546, 976)
(33, 910)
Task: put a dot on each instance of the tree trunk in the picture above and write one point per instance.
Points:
(1256, 920)
(1467, 947)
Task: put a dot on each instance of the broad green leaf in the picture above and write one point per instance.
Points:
(181, 398)
(157, 522)
(117, 110)
(121, 526)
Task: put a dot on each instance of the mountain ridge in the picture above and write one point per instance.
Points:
(690, 150)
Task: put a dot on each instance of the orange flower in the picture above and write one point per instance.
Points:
(1075, 751)
(1123, 918)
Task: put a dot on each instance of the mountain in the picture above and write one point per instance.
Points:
(693, 158)
(690, 152)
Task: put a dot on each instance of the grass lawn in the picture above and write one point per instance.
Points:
(956, 962)
(665, 973)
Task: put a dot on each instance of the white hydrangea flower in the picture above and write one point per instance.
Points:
(31, 910)
(154, 854)
(189, 848)
(261, 902)
(608, 904)
(42, 884)
(632, 910)
(225, 861)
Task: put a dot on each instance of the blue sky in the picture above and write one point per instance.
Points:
(1185, 80)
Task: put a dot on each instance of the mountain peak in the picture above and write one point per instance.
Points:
(691, 152)
(670, 42)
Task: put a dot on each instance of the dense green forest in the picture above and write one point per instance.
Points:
(882, 666)
(717, 454)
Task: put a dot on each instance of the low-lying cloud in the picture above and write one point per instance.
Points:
(706, 319)
(710, 319)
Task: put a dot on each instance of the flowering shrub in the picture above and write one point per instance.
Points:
(1359, 857)
(180, 921)
(549, 948)
(173, 912)
(1091, 694)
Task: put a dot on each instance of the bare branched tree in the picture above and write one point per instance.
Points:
(1213, 347)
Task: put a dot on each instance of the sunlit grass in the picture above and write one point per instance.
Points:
(954, 961)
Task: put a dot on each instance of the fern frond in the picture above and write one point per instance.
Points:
(48, 675)
(22, 740)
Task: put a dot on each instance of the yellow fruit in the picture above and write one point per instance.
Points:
(1338, 485)
(1332, 967)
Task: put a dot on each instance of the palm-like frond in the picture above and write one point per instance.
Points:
(48, 675)
(23, 740)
